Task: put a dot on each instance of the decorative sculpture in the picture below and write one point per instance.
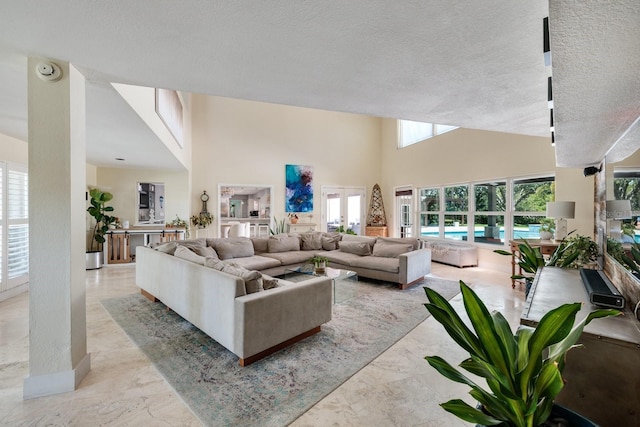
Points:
(376, 216)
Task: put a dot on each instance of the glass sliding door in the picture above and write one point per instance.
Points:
(343, 209)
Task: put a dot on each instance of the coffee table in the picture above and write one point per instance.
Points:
(335, 274)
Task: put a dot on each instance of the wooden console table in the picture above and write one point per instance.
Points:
(602, 378)
(547, 247)
(120, 244)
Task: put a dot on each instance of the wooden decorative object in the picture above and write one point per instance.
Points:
(376, 216)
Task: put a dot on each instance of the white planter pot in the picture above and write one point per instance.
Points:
(545, 235)
(94, 260)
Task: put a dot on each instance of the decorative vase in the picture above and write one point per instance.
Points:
(545, 235)
(294, 220)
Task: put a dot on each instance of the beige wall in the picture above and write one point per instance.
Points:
(122, 183)
(244, 142)
(467, 155)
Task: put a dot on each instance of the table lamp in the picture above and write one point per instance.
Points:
(617, 210)
(561, 211)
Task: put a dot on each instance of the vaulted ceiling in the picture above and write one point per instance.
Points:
(471, 64)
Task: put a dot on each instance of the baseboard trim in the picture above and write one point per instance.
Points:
(58, 382)
(10, 293)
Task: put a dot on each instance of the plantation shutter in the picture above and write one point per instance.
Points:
(18, 225)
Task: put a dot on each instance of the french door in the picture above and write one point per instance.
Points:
(343, 209)
(404, 212)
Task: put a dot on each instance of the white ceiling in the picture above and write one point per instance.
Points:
(471, 64)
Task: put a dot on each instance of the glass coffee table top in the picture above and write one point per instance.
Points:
(343, 280)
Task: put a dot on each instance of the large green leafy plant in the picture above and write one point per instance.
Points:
(99, 211)
(523, 372)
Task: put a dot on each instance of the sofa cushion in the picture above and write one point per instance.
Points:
(237, 247)
(214, 263)
(311, 241)
(390, 250)
(185, 253)
(330, 242)
(192, 242)
(291, 257)
(356, 248)
(391, 265)
(354, 238)
(256, 262)
(252, 278)
(340, 257)
(283, 243)
(416, 243)
(260, 244)
(205, 251)
(166, 247)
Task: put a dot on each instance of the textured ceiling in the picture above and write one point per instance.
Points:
(471, 64)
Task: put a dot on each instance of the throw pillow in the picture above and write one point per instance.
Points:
(311, 241)
(192, 243)
(167, 247)
(390, 250)
(205, 251)
(283, 243)
(356, 248)
(260, 244)
(330, 243)
(252, 279)
(214, 263)
(269, 282)
(185, 253)
(234, 248)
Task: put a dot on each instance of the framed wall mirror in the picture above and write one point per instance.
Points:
(150, 203)
(248, 204)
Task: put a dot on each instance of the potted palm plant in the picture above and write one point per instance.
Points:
(523, 371)
(100, 212)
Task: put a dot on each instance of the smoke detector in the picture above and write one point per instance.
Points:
(48, 71)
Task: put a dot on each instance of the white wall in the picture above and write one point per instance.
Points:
(143, 101)
(245, 142)
(13, 150)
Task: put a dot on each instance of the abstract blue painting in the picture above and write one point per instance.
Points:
(298, 188)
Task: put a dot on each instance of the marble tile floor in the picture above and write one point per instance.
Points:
(123, 388)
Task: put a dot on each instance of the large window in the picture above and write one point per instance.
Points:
(626, 186)
(490, 206)
(530, 197)
(410, 132)
(490, 212)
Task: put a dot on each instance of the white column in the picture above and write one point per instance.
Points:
(58, 359)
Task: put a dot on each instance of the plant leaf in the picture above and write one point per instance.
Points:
(484, 327)
(468, 413)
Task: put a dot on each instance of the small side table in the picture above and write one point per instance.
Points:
(547, 247)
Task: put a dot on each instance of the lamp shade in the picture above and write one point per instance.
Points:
(561, 210)
(618, 209)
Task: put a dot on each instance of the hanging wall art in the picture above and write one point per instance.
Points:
(298, 188)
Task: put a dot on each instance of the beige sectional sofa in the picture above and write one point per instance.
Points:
(220, 285)
(251, 325)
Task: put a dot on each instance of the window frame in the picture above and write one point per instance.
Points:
(509, 213)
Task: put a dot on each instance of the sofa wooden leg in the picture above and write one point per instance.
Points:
(408, 285)
(249, 360)
(149, 296)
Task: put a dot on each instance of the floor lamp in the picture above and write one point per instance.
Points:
(561, 211)
(616, 211)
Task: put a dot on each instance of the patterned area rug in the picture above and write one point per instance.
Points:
(278, 389)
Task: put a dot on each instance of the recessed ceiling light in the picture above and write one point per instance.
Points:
(120, 159)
